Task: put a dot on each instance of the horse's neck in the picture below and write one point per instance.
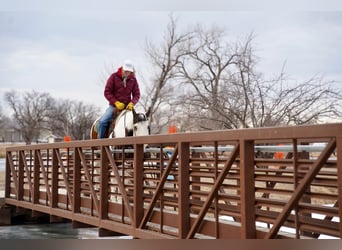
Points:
(120, 116)
(125, 117)
(122, 123)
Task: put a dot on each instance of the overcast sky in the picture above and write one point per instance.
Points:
(65, 51)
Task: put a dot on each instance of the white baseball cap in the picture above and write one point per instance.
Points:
(128, 66)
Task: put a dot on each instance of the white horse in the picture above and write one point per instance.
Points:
(127, 123)
(130, 123)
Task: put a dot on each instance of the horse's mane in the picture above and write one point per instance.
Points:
(121, 114)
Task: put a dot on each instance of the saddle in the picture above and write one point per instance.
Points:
(111, 126)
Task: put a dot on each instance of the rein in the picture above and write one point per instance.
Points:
(125, 127)
(126, 131)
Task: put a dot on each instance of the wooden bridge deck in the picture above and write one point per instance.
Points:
(219, 184)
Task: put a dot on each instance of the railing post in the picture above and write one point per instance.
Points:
(305, 198)
(9, 157)
(20, 193)
(54, 188)
(138, 207)
(247, 190)
(339, 179)
(36, 174)
(77, 182)
(103, 184)
(183, 189)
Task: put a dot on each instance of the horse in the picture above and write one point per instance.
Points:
(127, 123)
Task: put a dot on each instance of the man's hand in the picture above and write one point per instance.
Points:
(119, 105)
(130, 106)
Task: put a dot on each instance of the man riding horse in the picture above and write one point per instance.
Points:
(122, 92)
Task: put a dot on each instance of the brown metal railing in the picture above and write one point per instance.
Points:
(218, 184)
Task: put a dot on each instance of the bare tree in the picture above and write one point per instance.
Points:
(206, 67)
(309, 102)
(164, 59)
(82, 117)
(204, 79)
(4, 122)
(58, 118)
(30, 111)
(38, 113)
(2, 118)
(72, 118)
(227, 91)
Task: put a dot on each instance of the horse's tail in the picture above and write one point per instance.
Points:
(93, 130)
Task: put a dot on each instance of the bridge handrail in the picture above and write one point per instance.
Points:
(185, 193)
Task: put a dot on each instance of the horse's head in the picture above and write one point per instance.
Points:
(141, 124)
(131, 123)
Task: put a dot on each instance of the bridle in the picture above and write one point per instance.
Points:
(137, 117)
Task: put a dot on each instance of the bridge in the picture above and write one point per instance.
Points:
(260, 183)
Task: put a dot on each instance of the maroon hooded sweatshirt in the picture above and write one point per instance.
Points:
(115, 89)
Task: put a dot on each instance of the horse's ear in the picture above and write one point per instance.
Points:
(135, 116)
(148, 112)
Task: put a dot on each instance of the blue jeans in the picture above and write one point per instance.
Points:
(105, 120)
